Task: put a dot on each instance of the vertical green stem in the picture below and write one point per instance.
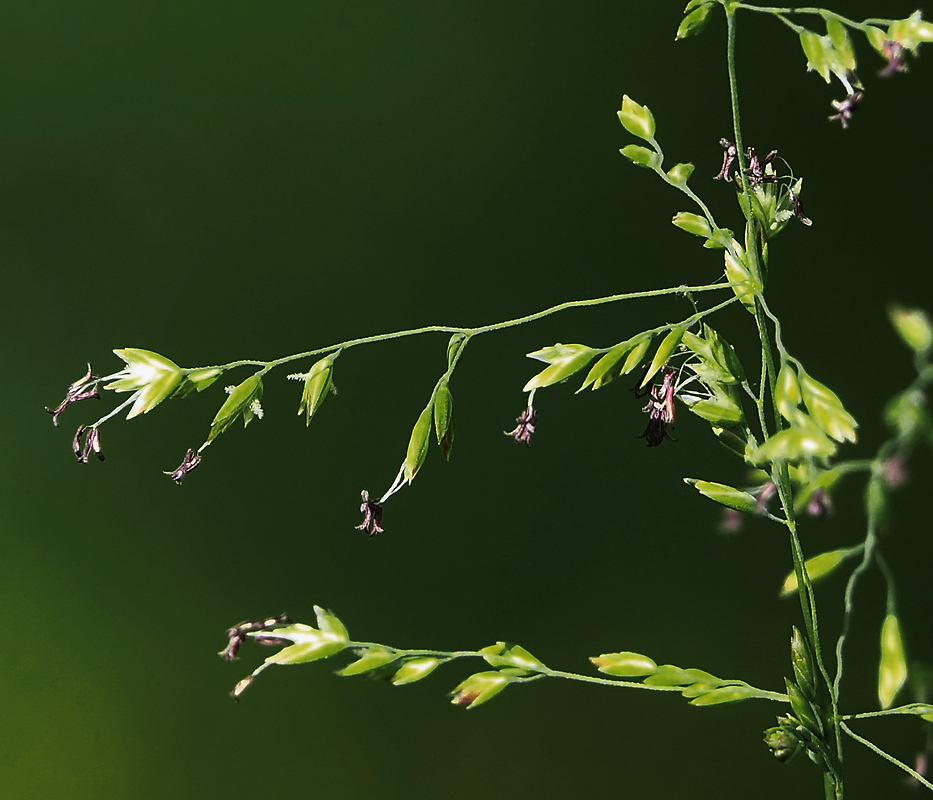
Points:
(833, 786)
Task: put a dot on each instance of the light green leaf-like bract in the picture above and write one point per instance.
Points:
(418, 443)
(151, 376)
(318, 383)
(502, 654)
(721, 695)
(815, 50)
(414, 670)
(625, 665)
(695, 20)
(608, 368)
(818, 567)
(826, 409)
(665, 349)
(722, 408)
(842, 45)
(914, 327)
(196, 381)
(444, 417)
(804, 439)
(636, 119)
(693, 223)
(239, 401)
(892, 670)
(564, 361)
(374, 659)
(725, 495)
(309, 644)
(787, 393)
(641, 156)
(741, 281)
(480, 688)
(680, 173)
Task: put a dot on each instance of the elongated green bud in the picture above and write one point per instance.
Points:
(641, 156)
(638, 353)
(826, 409)
(454, 346)
(914, 327)
(669, 675)
(418, 443)
(374, 659)
(444, 418)
(803, 709)
(636, 119)
(741, 281)
(608, 368)
(802, 662)
(695, 20)
(318, 383)
(511, 655)
(721, 695)
(665, 349)
(819, 567)
(892, 670)
(787, 393)
(243, 399)
(803, 440)
(625, 665)
(693, 223)
(815, 50)
(726, 495)
(414, 670)
(197, 381)
(480, 688)
(680, 173)
(564, 360)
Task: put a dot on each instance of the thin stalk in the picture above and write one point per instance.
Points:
(911, 709)
(871, 541)
(818, 12)
(545, 672)
(887, 757)
(497, 326)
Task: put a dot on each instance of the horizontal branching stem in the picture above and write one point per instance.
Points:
(545, 672)
(814, 11)
(498, 326)
(911, 709)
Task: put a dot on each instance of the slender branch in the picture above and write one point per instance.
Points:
(762, 694)
(760, 399)
(545, 672)
(441, 655)
(911, 709)
(886, 756)
(778, 338)
(815, 11)
(889, 580)
(798, 29)
(870, 554)
(682, 186)
(871, 540)
(845, 467)
(115, 411)
(470, 332)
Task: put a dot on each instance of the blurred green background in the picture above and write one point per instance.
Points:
(216, 181)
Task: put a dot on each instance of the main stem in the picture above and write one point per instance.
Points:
(833, 786)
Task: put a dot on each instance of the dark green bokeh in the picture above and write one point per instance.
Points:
(236, 180)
